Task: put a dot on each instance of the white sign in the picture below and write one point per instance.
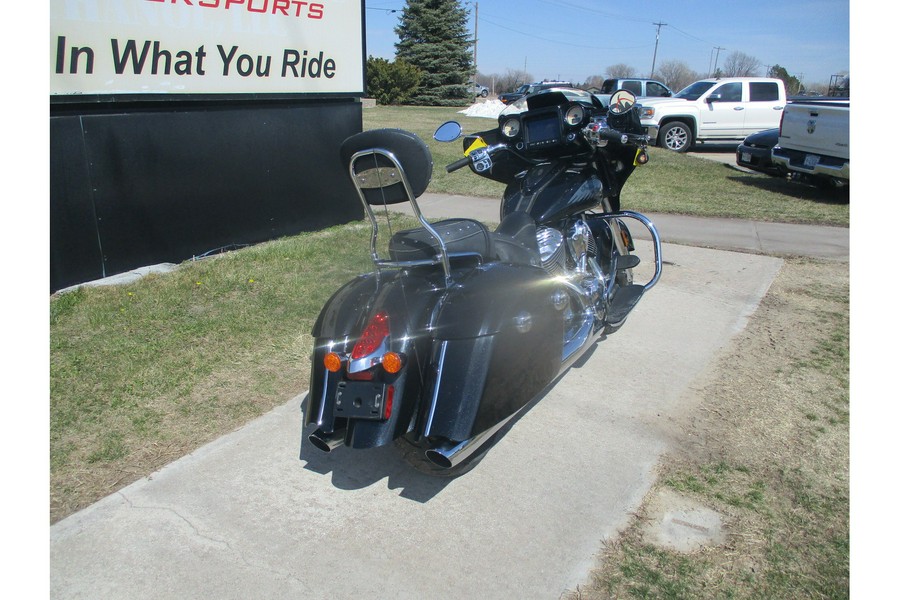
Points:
(206, 46)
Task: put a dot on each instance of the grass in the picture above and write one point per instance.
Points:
(144, 373)
(671, 183)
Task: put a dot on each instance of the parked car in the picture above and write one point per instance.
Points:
(476, 89)
(755, 152)
(530, 88)
(642, 88)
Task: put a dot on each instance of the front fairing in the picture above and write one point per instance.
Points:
(595, 171)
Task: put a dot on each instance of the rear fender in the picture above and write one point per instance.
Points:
(408, 301)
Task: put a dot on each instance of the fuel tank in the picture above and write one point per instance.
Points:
(553, 191)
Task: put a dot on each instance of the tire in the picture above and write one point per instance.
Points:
(675, 136)
(484, 93)
(415, 457)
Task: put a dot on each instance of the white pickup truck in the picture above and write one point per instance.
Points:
(814, 141)
(640, 87)
(714, 110)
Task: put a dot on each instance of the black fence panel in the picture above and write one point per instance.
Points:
(156, 184)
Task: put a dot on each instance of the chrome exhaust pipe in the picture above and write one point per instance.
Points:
(451, 454)
(326, 442)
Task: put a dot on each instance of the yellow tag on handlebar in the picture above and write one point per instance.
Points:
(478, 143)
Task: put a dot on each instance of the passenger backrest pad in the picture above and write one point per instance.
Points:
(375, 174)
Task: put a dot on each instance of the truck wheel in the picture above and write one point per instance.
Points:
(675, 136)
(484, 93)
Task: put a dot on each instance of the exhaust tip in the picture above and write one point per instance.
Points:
(438, 458)
(326, 442)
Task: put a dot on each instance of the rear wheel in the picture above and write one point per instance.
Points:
(676, 136)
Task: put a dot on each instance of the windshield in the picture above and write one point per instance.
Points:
(540, 99)
(695, 90)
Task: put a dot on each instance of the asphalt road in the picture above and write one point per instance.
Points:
(246, 517)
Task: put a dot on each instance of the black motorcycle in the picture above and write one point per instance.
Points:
(459, 328)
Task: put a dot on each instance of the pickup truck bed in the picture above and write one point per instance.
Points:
(814, 140)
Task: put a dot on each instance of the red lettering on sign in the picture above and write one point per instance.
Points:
(287, 8)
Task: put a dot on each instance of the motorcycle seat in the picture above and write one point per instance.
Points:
(514, 241)
(460, 236)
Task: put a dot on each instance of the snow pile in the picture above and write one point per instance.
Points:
(490, 109)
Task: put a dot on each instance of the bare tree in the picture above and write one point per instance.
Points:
(511, 80)
(620, 70)
(739, 64)
(677, 74)
(594, 81)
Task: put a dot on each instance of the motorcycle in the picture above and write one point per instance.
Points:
(459, 328)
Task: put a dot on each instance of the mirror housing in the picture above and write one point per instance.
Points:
(448, 132)
(713, 98)
(621, 102)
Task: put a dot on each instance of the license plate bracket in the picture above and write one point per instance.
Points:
(359, 400)
(745, 157)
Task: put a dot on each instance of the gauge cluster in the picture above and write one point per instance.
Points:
(545, 128)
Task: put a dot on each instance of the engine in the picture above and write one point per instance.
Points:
(553, 253)
(573, 257)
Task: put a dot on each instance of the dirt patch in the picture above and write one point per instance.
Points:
(763, 444)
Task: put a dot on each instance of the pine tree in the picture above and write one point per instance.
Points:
(434, 37)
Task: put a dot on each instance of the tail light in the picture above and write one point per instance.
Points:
(373, 336)
(372, 349)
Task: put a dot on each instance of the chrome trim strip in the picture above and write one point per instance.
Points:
(442, 353)
(321, 417)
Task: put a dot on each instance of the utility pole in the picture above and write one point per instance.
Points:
(658, 27)
(717, 48)
(475, 75)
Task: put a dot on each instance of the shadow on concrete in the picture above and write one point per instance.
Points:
(795, 189)
(357, 469)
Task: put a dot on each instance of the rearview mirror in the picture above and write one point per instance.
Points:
(621, 102)
(448, 132)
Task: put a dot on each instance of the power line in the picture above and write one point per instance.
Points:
(537, 37)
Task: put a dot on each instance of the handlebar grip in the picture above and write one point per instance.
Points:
(455, 166)
(613, 136)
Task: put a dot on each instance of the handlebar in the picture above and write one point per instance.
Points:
(481, 159)
(613, 135)
(457, 165)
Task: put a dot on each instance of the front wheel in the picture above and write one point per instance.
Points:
(676, 136)
(484, 93)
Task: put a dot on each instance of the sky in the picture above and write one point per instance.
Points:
(575, 39)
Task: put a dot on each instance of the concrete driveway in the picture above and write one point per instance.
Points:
(244, 517)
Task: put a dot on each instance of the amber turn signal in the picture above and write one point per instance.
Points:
(333, 362)
(392, 362)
